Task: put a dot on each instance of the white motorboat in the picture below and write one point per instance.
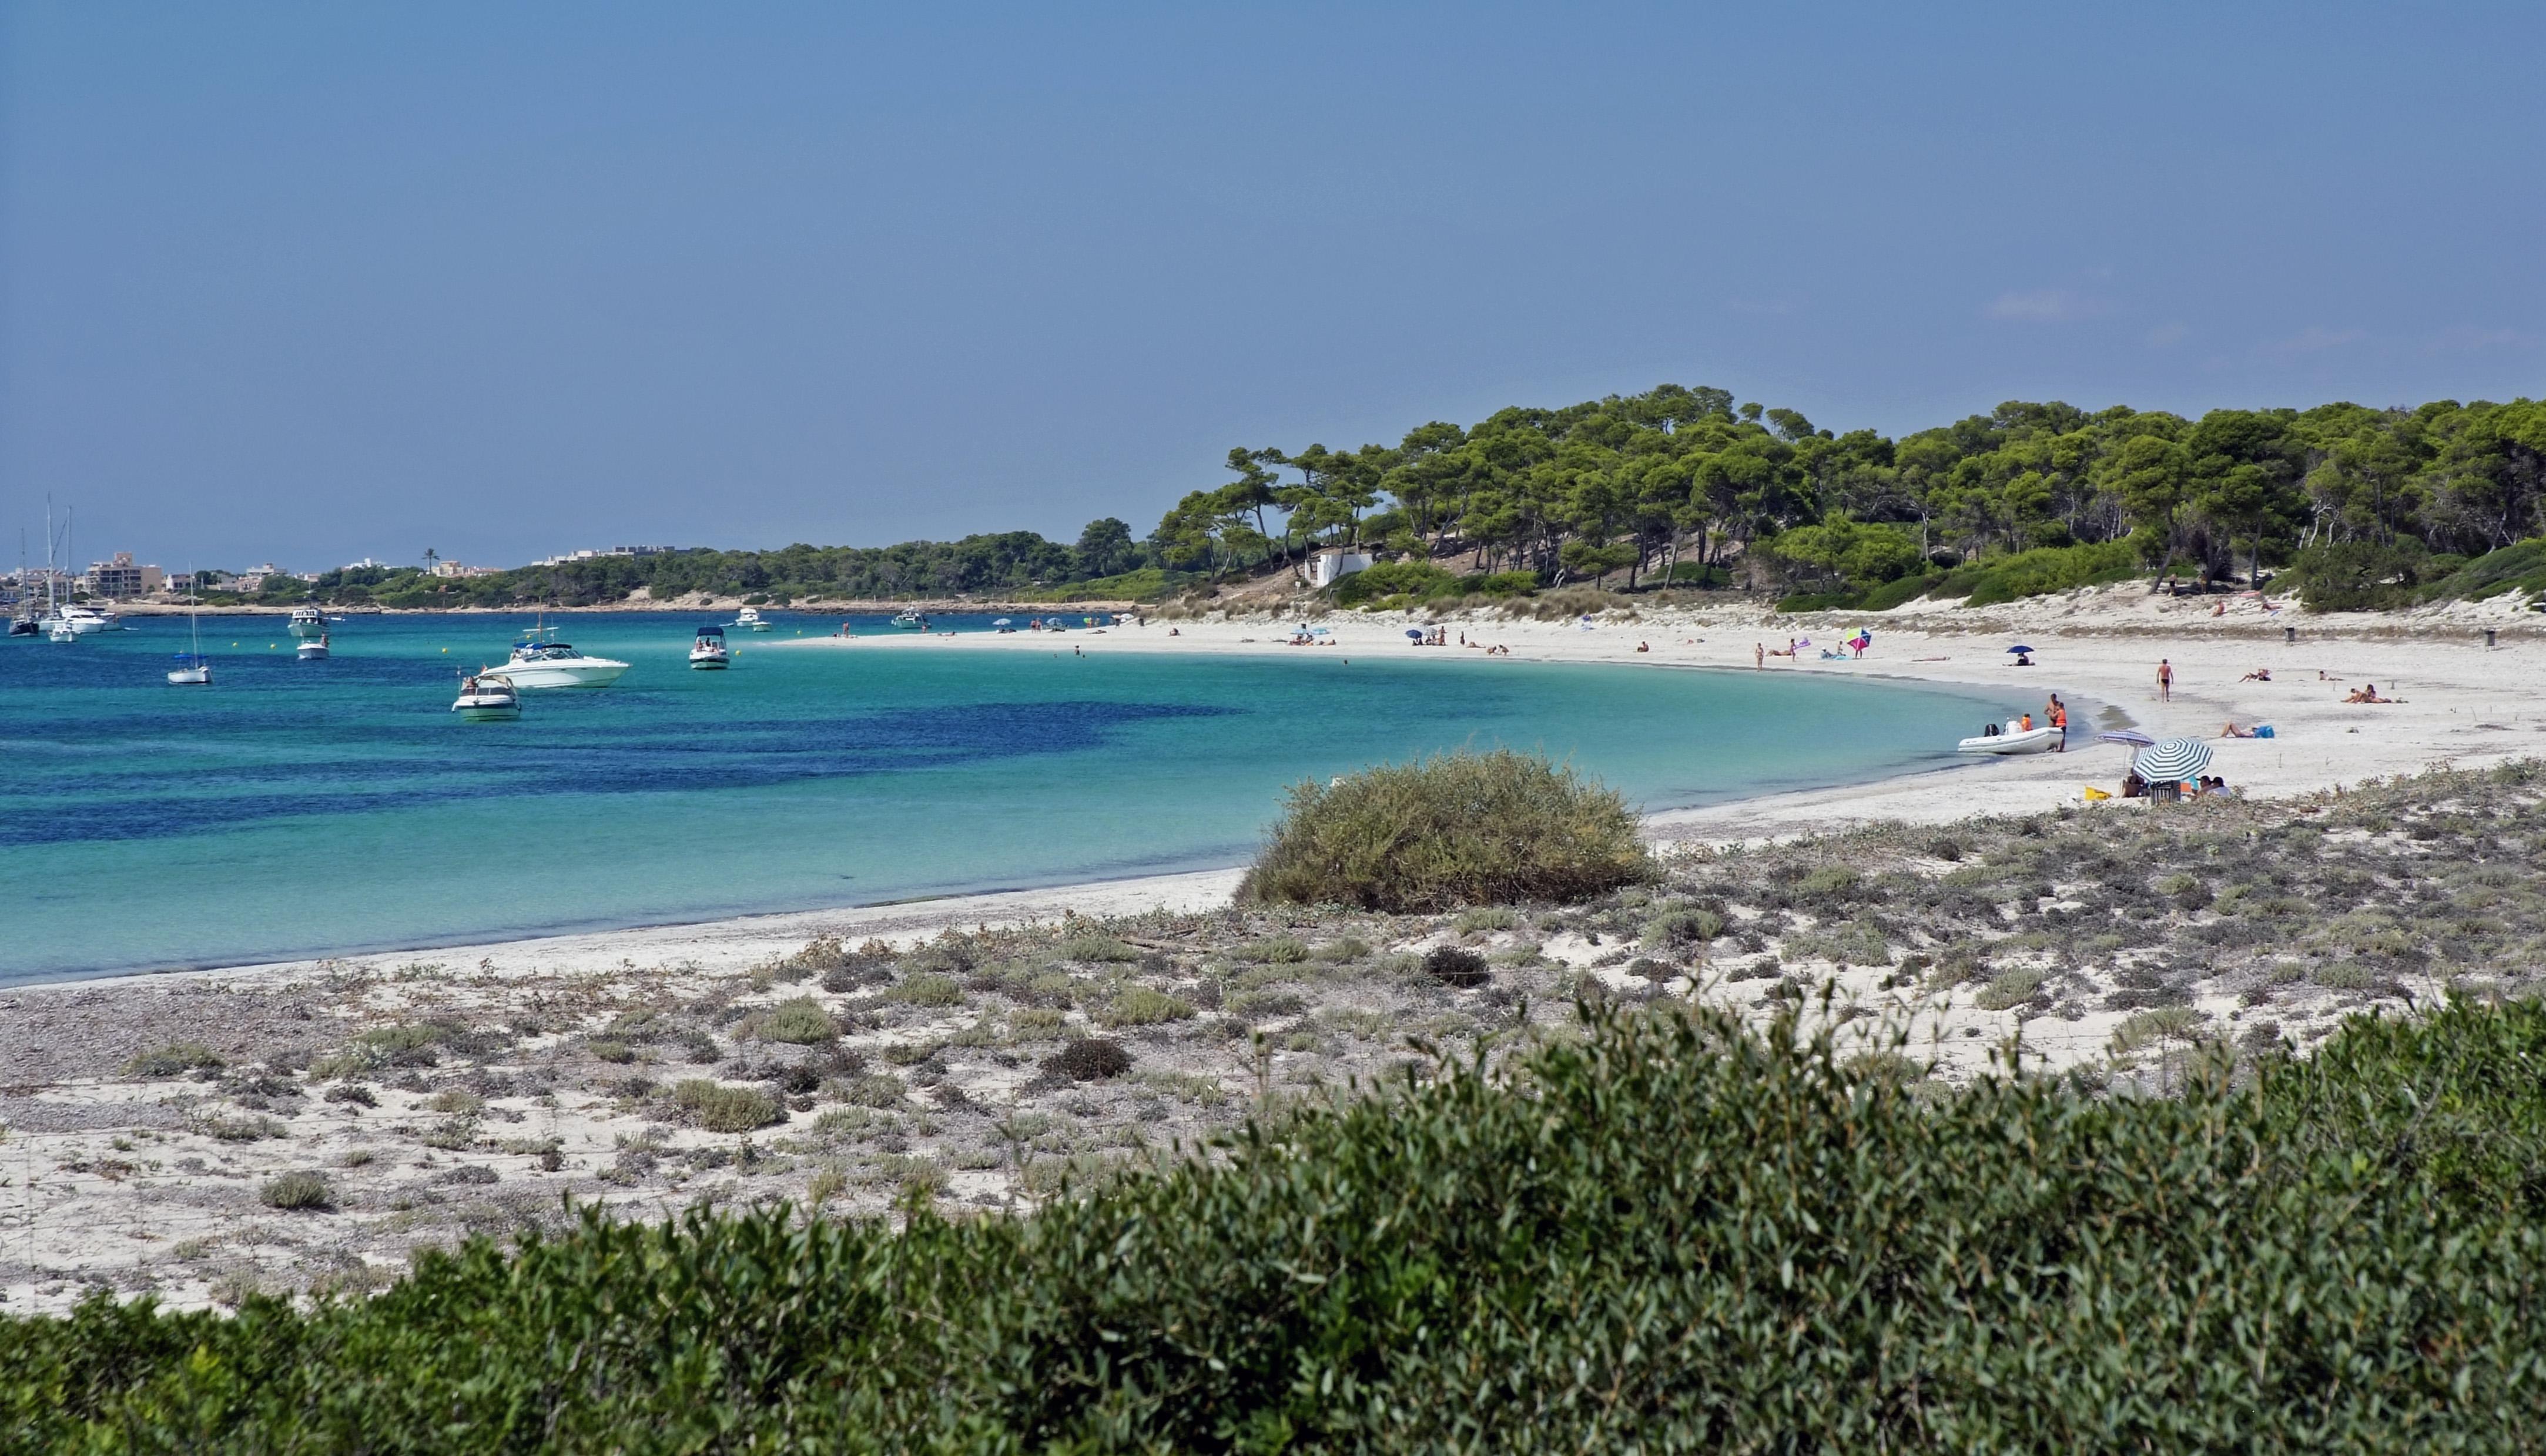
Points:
(485, 697)
(308, 622)
(751, 621)
(912, 620)
(2040, 740)
(313, 649)
(84, 620)
(708, 653)
(540, 661)
(59, 630)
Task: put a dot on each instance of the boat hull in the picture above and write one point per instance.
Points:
(2008, 745)
(716, 663)
(190, 678)
(583, 672)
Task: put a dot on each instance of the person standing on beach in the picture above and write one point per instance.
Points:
(2058, 713)
(1759, 654)
(2164, 680)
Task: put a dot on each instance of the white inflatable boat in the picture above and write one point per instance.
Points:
(2040, 740)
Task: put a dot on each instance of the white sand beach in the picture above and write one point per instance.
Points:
(131, 1180)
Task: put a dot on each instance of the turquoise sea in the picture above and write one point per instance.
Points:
(297, 809)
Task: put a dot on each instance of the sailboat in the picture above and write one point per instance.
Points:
(193, 668)
(22, 622)
(55, 626)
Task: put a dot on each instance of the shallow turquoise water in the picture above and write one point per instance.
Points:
(311, 808)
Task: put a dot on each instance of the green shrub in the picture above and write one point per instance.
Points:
(1278, 950)
(1100, 948)
(2302, 1260)
(2042, 571)
(1139, 1005)
(298, 1191)
(928, 989)
(1089, 1059)
(1037, 1024)
(2518, 567)
(174, 1060)
(2008, 989)
(1682, 927)
(1456, 830)
(798, 1022)
(1455, 965)
(717, 1107)
(1418, 578)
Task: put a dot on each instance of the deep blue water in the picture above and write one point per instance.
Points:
(308, 808)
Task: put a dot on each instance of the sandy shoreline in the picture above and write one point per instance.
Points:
(552, 1065)
(2461, 703)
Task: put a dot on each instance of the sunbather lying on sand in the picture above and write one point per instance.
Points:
(2233, 731)
(2368, 692)
(2259, 675)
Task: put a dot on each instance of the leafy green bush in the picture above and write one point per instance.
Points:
(797, 1023)
(1418, 578)
(929, 989)
(1089, 1059)
(298, 1191)
(1455, 965)
(174, 1060)
(717, 1107)
(2039, 572)
(2518, 567)
(1600, 1253)
(1456, 830)
(2360, 576)
(1140, 1006)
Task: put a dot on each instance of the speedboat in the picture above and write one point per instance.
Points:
(751, 619)
(709, 653)
(58, 629)
(541, 660)
(912, 620)
(86, 619)
(314, 649)
(2040, 740)
(487, 696)
(308, 622)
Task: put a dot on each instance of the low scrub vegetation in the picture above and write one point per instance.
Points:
(717, 1107)
(2250, 1264)
(1460, 829)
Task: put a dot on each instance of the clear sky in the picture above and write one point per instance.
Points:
(309, 283)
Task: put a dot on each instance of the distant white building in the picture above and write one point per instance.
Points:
(1334, 563)
(453, 569)
(120, 580)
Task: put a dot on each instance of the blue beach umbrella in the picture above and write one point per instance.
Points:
(2130, 737)
(1416, 635)
(2019, 649)
(2172, 759)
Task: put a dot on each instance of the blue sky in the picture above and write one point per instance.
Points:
(313, 282)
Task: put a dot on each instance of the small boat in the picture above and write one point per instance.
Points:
(59, 630)
(541, 660)
(25, 627)
(912, 620)
(485, 697)
(193, 668)
(708, 653)
(308, 622)
(313, 649)
(2040, 740)
(751, 621)
(83, 621)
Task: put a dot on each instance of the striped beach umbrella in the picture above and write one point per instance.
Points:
(2172, 759)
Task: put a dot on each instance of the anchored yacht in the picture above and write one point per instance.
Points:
(751, 619)
(541, 660)
(310, 621)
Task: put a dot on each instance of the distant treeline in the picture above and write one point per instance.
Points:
(1678, 485)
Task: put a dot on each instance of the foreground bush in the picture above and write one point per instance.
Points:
(1670, 1234)
(1455, 830)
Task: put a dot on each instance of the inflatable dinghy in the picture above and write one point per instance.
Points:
(2040, 740)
